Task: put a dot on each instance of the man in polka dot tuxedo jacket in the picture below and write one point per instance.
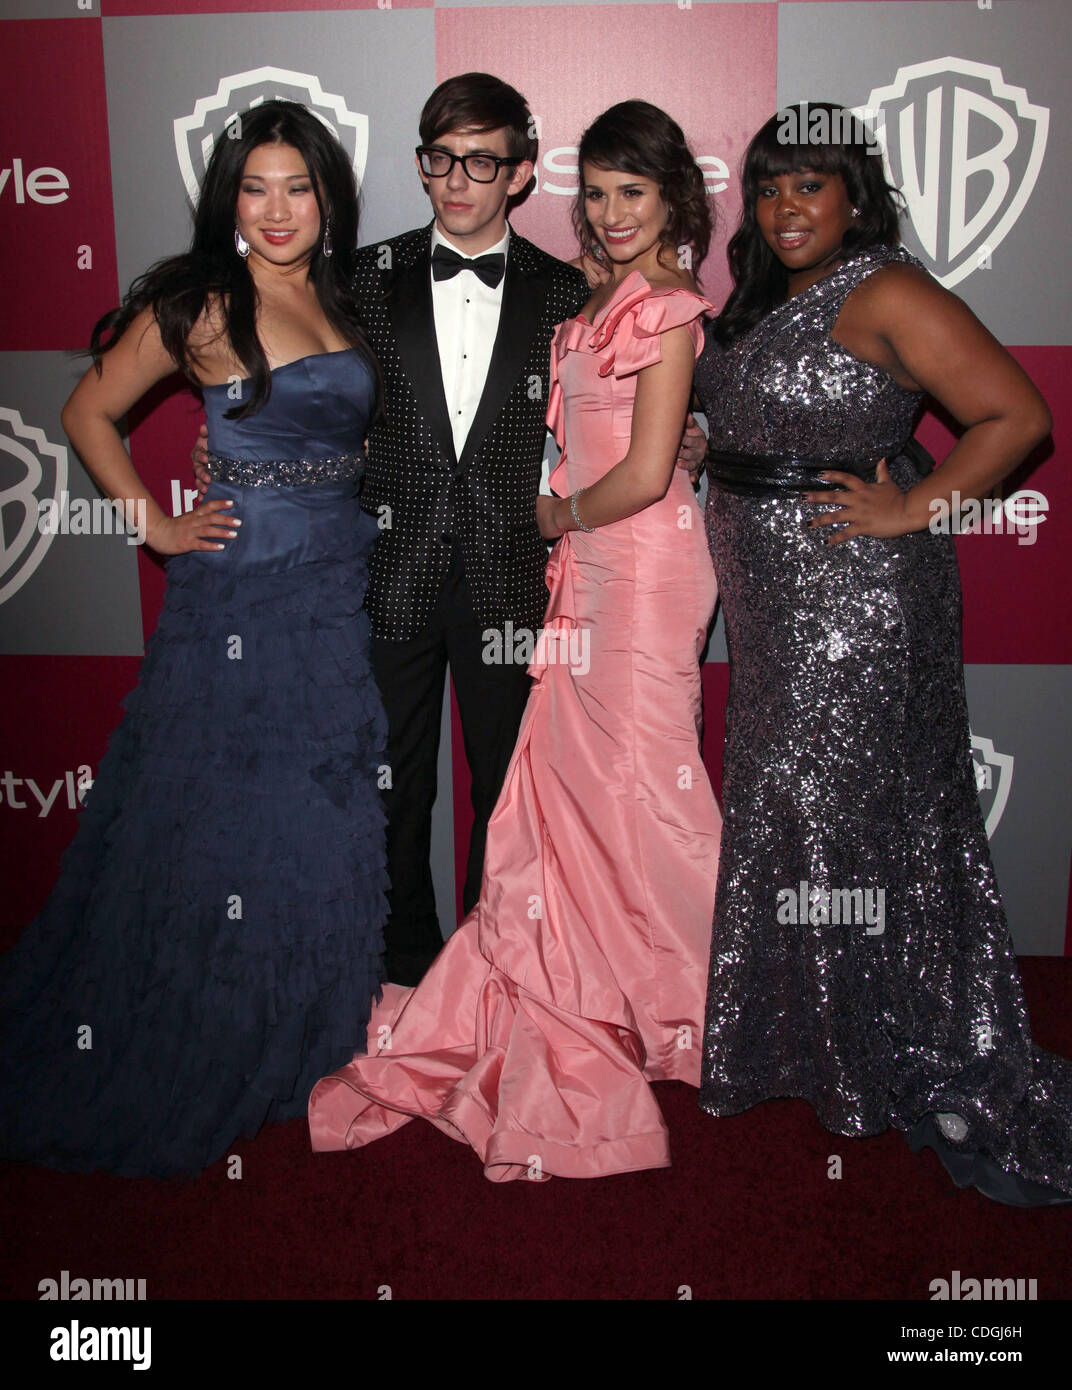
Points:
(463, 340)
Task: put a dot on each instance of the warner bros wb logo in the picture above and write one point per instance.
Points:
(993, 780)
(965, 148)
(197, 133)
(32, 472)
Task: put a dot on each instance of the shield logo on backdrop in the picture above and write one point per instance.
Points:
(965, 148)
(31, 471)
(196, 134)
(993, 780)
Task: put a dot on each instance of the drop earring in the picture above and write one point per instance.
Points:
(326, 245)
(241, 245)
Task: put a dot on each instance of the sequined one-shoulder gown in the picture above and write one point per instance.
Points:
(214, 940)
(848, 773)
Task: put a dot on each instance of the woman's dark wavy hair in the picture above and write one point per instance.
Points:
(760, 281)
(179, 287)
(641, 139)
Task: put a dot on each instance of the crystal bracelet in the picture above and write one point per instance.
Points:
(574, 513)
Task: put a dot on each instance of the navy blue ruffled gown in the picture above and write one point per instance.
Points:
(217, 926)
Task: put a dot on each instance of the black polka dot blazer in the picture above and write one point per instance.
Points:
(422, 494)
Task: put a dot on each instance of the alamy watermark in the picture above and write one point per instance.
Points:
(1020, 514)
(798, 125)
(65, 1288)
(550, 646)
(99, 516)
(956, 1288)
(833, 907)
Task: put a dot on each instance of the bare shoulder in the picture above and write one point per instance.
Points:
(141, 342)
(663, 279)
(901, 298)
(901, 288)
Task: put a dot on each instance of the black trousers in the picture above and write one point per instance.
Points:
(491, 699)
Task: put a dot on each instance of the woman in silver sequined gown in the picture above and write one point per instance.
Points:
(861, 958)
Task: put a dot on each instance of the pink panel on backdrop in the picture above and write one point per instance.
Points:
(712, 67)
(80, 696)
(56, 189)
(1016, 596)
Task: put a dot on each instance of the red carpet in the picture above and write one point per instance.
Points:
(747, 1211)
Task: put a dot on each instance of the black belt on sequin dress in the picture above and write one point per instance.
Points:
(759, 475)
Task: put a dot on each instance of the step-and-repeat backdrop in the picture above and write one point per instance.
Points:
(110, 109)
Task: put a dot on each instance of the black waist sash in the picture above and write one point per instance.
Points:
(768, 474)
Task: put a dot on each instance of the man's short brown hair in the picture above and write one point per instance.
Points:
(477, 101)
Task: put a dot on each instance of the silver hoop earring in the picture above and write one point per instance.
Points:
(241, 245)
(326, 245)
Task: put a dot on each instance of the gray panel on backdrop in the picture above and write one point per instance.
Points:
(158, 68)
(847, 52)
(49, 9)
(1023, 758)
(76, 594)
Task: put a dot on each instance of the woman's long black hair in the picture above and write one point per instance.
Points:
(177, 288)
(785, 145)
(642, 139)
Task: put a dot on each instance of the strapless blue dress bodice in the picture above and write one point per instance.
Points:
(293, 468)
(319, 406)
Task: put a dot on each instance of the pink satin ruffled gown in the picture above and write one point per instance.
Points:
(581, 975)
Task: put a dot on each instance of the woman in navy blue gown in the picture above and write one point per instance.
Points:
(214, 941)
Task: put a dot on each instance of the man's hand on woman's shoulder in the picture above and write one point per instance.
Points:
(594, 273)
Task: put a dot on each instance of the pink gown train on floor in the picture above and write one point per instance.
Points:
(580, 977)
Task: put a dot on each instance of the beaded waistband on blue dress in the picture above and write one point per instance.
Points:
(285, 472)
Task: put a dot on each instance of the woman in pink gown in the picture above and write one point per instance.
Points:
(580, 976)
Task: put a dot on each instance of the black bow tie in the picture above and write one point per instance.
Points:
(446, 264)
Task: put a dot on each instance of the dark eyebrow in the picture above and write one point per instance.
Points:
(481, 149)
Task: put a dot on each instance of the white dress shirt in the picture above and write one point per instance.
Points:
(466, 313)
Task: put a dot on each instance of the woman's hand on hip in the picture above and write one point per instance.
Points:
(200, 529)
(870, 509)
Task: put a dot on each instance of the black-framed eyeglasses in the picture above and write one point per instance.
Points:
(481, 168)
